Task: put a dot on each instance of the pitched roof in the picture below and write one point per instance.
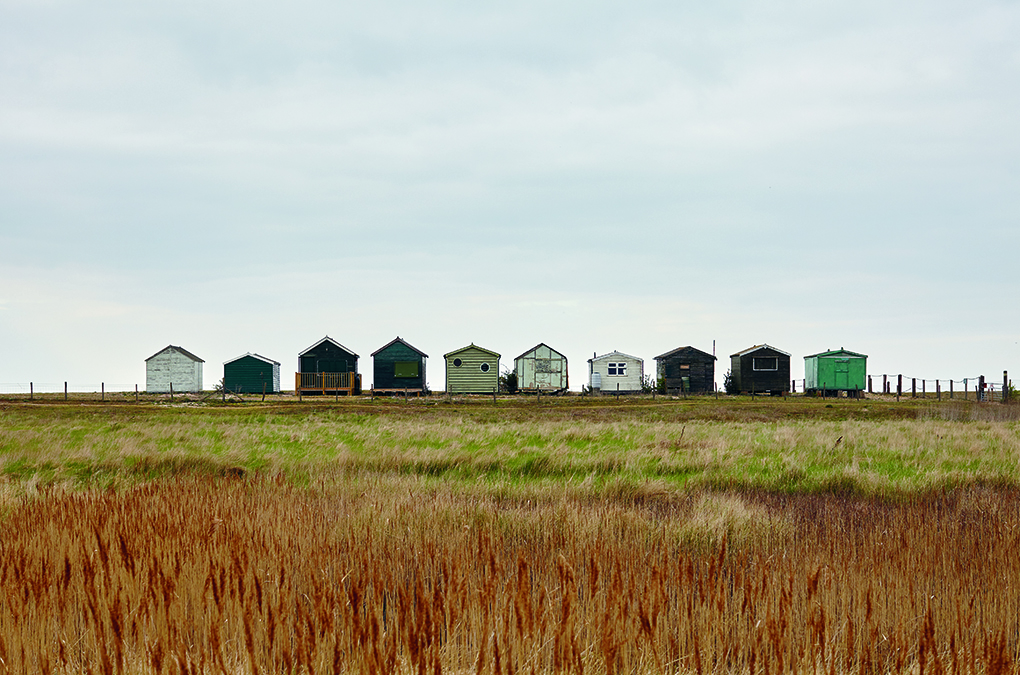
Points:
(181, 350)
(615, 354)
(837, 352)
(757, 347)
(255, 356)
(678, 349)
(325, 339)
(470, 346)
(403, 342)
(541, 344)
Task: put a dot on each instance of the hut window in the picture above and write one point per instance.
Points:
(765, 363)
(458, 363)
(685, 366)
(405, 369)
(484, 367)
(617, 369)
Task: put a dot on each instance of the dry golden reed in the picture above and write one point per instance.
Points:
(373, 575)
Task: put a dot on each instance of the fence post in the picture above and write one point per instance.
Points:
(938, 389)
(171, 391)
(1005, 387)
(950, 389)
(869, 384)
(102, 391)
(136, 393)
(31, 391)
(981, 388)
(899, 386)
(494, 396)
(65, 391)
(966, 389)
(913, 387)
(924, 388)
(885, 383)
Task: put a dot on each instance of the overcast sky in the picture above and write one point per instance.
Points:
(251, 176)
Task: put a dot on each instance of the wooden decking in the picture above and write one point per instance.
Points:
(399, 392)
(327, 383)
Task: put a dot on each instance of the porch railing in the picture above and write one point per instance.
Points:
(328, 382)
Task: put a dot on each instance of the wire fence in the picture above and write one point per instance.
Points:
(976, 388)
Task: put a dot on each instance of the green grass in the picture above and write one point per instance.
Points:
(793, 445)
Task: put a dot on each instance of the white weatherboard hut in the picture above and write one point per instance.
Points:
(541, 368)
(176, 366)
(616, 372)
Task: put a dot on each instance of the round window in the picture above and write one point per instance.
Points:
(458, 363)
(485, 367)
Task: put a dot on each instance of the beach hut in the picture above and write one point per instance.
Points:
(327, 367)
(686, 369)
(761, 369)
(398, 367)
(616, 372)
(173, 369)
(251, 374)
(541, 368)
(472, 370)
(835, 371)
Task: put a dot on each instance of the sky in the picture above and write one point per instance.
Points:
(238, 177)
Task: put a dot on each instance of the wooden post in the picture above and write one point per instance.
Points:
(885, 383)
(899, 386)
(938, 389)
(494, 396)
(913, 387)
(981, 388)
(924, 390)
(869, 384)
(966, 389)
(136, 393)
(1005, 387)
(102, 389)
(406, 399)
(31, 391)
(950, 389)
(617, 391)
(263, 391)
(65, 390)
(171, 391)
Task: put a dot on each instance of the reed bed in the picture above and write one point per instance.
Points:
(388, 574)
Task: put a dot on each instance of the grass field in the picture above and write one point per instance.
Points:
(696, 536)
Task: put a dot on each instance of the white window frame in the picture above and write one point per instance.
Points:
(620, 368)
(754, 364)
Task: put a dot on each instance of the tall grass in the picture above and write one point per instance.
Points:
(110, 447)
(362, 573)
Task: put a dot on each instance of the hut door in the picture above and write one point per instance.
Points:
(842, 373)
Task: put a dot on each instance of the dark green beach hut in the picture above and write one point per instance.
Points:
(251, 374)
(835, 371)
(398, 367)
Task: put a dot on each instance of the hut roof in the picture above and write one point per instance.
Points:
(403, 342)
(180, 350)
(535, 348)
(757, 347)
(680, 349)
(329, 339)
(255, 356)
(470, 346)
(837, 352)
(614, 354)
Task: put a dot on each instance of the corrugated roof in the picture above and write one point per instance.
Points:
(182, 350)
(257, 356)
(674, 351)
(403, 342)
(328, 338)
(470, 346)
(757, 347)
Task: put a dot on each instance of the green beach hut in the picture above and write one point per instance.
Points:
(472, 370)
(251, 374)
(835, 371)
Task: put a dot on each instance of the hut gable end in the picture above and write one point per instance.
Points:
(686, 369)
(541, 368)
(472, 370)
(398, 366)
